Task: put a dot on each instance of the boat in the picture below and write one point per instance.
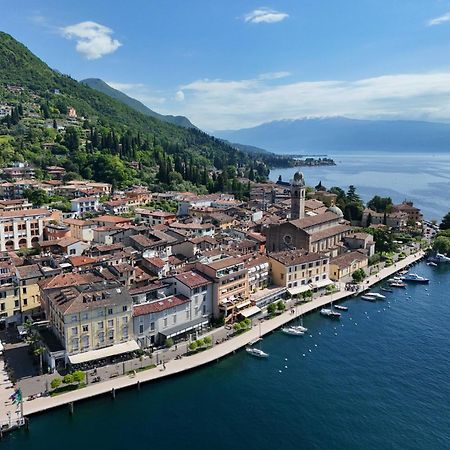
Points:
(300, 327)
(414, 278)
(432, 263)
(377, 295)
(330, 313)
(369, 298)
(256, 352)
(292, 331)
(397, 284)
(439, 258)
(387, 290)
(341, 307)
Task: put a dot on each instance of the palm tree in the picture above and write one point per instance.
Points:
(39, 352)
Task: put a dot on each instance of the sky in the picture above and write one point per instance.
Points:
(229, 64)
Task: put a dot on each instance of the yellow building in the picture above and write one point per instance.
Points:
(299, 271)
(343, 266)
(29, 293)
(92, 320)
(9, 295)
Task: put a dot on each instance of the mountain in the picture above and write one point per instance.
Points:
(340, 134)
(105, 140)
(101, 86)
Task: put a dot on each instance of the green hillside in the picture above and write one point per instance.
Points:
(108, 140)
(101, 86)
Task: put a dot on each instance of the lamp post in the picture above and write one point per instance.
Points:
(8, 413)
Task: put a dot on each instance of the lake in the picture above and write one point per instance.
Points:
(423, 179)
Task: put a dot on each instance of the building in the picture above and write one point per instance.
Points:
(343, 266)
(83, 205)
(81, 229)
(299, 270)
(88, 317)
(22, 229)
(28, 278)
(396, 220)
(298, 196)
(360, 241)
(230, 286)
(414, 214)
(320, 233)
(9, 295)
(154, 217)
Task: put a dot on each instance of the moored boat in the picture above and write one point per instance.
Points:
(341, 307)
(387, 290)
(414, 278)
(397, 284)
(330, 313)
(368, 297)
(256, 352)
(292, 331)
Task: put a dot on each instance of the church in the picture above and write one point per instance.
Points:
(318, 233)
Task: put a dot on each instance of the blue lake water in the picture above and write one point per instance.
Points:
(422, 179)
(378, 379)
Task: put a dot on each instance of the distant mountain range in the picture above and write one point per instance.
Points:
(340, 134)
(101, 86)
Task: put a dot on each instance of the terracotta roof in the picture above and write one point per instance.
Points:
(112, 219)
(24, 213)
(332, 231)
(157, 262)
(315, 220)
(293, 257)
(78, 261)
(30, 271)
(63, 242)
(192, 279)
(159, 305)
(347, 258)
(78, 222)
(69, 279)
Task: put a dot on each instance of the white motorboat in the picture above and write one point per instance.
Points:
(341, 307)
(432, 264)
(439, 258)
(376, 295)
(397, 284)
(292, 331)
(414, 278)
(256, 352)
(369, 298)
(330, 313)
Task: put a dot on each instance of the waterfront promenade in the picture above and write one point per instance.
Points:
(174, 367)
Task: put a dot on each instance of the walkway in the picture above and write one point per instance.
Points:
(218, 351)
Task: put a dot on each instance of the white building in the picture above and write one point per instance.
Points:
(82, 205)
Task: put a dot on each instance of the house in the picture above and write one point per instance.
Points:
(111, 221)
(28, 278)
(299, 270)
(81, 229)
(360, 241)
(157, 266)
(55, 172)
(83, 205)
(154, 217)
(194, 229)
(414, 214)
(343, 266)
(10, 312)
(66, 246)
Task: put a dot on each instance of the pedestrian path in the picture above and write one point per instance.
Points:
(218, 351)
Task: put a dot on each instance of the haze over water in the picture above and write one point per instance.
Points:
(424, 179)
(378, 379)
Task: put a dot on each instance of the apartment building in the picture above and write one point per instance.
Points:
(22, 229)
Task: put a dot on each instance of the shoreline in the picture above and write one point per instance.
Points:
(214, 354)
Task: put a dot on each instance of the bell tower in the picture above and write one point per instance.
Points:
(298, 196)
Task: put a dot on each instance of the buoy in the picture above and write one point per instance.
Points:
(285, 367)
(285, 359)
(304, 354)
(309, 350)
(335, 334)
(315, 345)
(310, 335)
(280, 371)
(320, 333)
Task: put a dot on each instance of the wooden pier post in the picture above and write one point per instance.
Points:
(139, 385)
(113, 393)
(71, 408)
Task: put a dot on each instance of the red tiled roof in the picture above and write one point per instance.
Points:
(192, 279)
(160, 305)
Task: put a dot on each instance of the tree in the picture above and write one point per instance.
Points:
(272, 308)
(445, 224)
(358, 275)
(207, 340)
(56, 383)
(68, 378)
(281, 306)
(36, 196)
(193, 345)
(79, 376)
(71, 139)
(39, 352)
(169, 342)
(380, 204)
(442, 244)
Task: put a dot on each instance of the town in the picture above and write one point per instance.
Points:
(124, 281)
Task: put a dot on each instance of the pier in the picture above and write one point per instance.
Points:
(215, 353)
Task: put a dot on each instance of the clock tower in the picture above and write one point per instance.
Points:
(298, 196)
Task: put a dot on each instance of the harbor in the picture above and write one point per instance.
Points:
(217, 352)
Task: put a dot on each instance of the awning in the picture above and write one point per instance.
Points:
(322, 283)
(244, 304)
(250, 311)
(184, 328)
(105, 352)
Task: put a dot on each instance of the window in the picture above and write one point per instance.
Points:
(125, 332)
(174, 319)
(85, 342)
(24, 290)
(74, 330)
(85, 316)
(75, 345)
(25, 302)
(111, 335)
(187, 314)
(16, 303)
(110, 323)
(124, 320)
(152, 326)
(110, 311)
(101, 313)
(204, 309)
(124, 308)
(73, 251)
(101, 337)
(2, 306)
(85, 328)
(100, 325)
(141, 328)
(74, 318)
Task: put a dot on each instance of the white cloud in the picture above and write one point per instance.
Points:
(265, 15)
(439, 20)
(274, 75)
(219, 104)
(93, 40)
(139, 91)
(179, 96)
